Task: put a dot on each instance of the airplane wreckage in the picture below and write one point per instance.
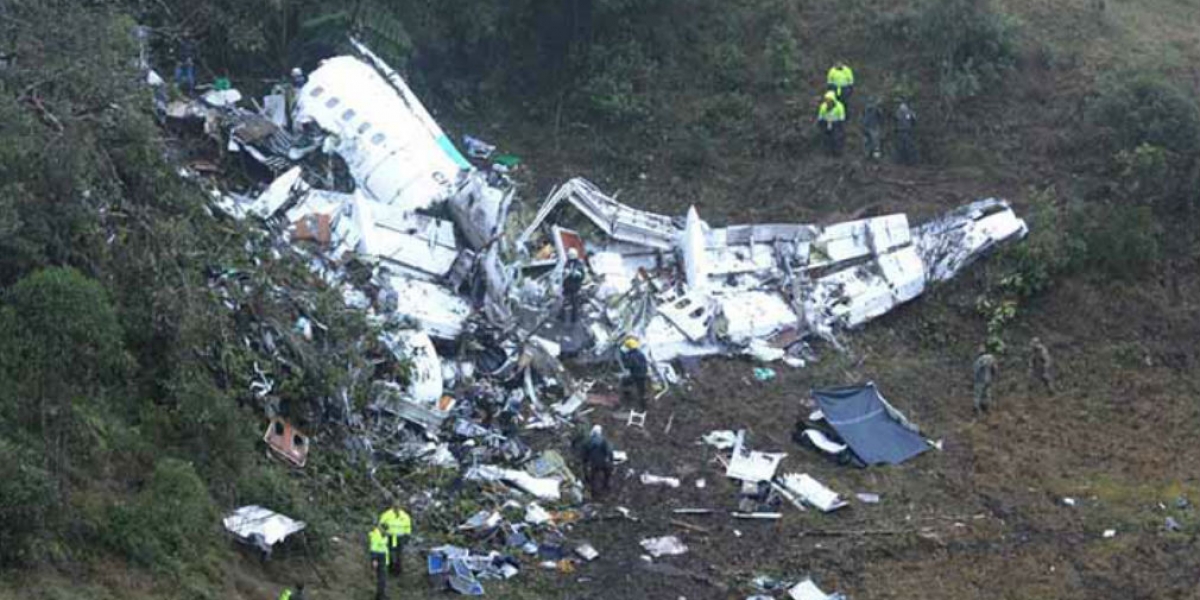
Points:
(453, 254)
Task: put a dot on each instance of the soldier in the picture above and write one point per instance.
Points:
(1040, 365)
(872, 123)
(597, 462)
(906, 122)
(985, 374)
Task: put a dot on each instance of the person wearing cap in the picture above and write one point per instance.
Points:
(831, 118)
(574, 274)
(637, 369)
(597, 462)
(840, 80)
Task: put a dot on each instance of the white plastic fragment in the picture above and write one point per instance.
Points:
(648, 479)
(664, 546)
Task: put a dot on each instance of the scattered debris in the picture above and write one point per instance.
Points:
(748, 465)
(813, 492)
(648, 479)
(807, 590)
(1108, 533)
(867, 498)
(664, 546)
(260, 527)
(287, 442)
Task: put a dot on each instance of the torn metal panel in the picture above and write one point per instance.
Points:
(438, 311)
(287, 442)
(692, 313)
(480, 211)
(813, 492)
(954, 241)
(425, 368)
(749, 465)
(756, 314)
(807, 590)
(260, 526)
(286, 188)
(385, 136)
(618, 220)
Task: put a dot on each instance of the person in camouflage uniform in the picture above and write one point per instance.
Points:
(1040, 365)
(985, 375)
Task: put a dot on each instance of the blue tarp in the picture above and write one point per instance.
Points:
(872, 429)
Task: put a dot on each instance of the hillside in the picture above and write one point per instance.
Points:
(127, 427)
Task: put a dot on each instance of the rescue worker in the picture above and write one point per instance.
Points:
(397, 525)
(185, 71)
(872, 123)
(597, 462)
(298, 79)
(906, 122)
(377, 544)
(287, 593)
(831, 118)
(985, 374)
(637, 369)
(574, 273)
(291, 95)
(1040, 365)
(840, 80)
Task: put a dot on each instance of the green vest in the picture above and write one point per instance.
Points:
(286, 595)
(832, 114)
(379, 544)
(840, 78)
(395, 522)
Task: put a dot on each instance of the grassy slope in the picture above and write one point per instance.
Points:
(1117, 437)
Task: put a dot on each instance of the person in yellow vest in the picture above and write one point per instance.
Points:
(288, 594)
(397, 525)
(831, 118)
(377, 545)
(840, 80)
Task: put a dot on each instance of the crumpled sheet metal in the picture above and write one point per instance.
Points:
(951, 243)
(252, 523)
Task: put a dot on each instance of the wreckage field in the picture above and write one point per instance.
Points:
(598, 300)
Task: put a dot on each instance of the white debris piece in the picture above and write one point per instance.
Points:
(807, 590)
(440, 312)
(258, 525)
(695, 255)
(544, 488)
(425, 374)
(536, 515)
(648, 479)
(753, 466)
(664, 546)
(813, 492)
(823, 443)
(721, 440)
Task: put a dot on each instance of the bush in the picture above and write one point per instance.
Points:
(1122, 240)
(1143, 108)
(783, 57)
(973, 45)
(171, 519)
(1051, 250)
(27, 494)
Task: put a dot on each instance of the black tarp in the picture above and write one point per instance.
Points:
(875, 432)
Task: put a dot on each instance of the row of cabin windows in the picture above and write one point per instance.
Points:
(348, 116)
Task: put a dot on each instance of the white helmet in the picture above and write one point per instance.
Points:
(572, 253)
(296, 72)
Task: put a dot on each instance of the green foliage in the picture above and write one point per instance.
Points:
(612, 88)
(972, 44)
(1122, 240)
(27, 496)
(1138, 108)
(1050, 251)
(783, 57)
(170, 520)
(998, 314)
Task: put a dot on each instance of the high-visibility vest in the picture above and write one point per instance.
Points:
(395, 522)
(286, 594)
(379, 544)
(832, 114)
(840, 78)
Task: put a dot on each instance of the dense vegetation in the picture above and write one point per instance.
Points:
(125, 415)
